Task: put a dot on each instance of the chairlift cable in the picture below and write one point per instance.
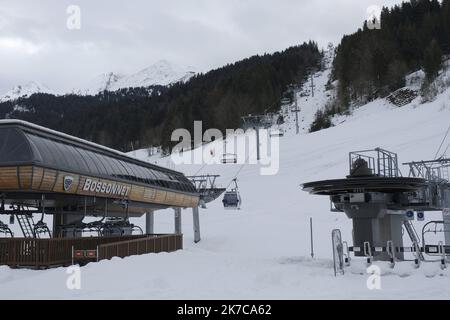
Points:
(204, 165)
(237, 173)
(240, 169)
(442, 143)
(200, 169)
(448, 147)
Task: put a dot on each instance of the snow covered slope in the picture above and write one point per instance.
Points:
(24, 91)
(263, 250)
(306, 102)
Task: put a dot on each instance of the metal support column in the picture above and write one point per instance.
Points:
(446, 215)
(150, 222)
(258, 157)
(378, 231)
(178, 229)
(446, 218)
(196, 220)
(64, 220)
(57, 221)
(296, 110)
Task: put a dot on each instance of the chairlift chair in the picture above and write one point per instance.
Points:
(96, 226)
(229, 158)
(286, 101)
(111, 227)
(41, 228)
(120, 227)
(80, 227)
(232, 199)
(276, 133)
(4, 229)
(72, 230)
(138, 229)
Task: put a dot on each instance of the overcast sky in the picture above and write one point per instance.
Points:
(126, 36)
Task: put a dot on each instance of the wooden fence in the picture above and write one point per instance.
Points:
(151, 244)
(46, 253)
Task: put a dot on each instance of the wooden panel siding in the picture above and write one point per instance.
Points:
(48, 181)
(26, 177)
(38, 179)
(38, 174)
(8, 178)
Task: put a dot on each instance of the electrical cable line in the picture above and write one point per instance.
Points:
(241, 168)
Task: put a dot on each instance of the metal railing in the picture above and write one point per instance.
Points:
(150, 244)
(46, 253)
(379, 161)
(432, 171)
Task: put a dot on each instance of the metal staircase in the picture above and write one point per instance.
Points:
(26, 224)
(413, 236)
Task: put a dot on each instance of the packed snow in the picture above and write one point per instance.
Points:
(263, 250)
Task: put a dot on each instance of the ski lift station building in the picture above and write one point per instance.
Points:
(45, 171)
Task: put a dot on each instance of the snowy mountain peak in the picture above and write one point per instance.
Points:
(26, 90)
(103, 82)
(163, 64)
(161, 73)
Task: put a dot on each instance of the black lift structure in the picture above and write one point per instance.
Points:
(377, 198)
(206, 188)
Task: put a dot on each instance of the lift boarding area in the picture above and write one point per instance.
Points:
(48, 174)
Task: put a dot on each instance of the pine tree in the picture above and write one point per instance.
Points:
(432, 62)
(397, 49)
(396, 74)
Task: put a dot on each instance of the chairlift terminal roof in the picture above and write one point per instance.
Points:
(364, 184)
(24, 143)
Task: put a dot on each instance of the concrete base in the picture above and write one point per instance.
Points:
(378, 232)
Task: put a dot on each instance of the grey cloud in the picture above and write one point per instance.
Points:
(127, 36)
